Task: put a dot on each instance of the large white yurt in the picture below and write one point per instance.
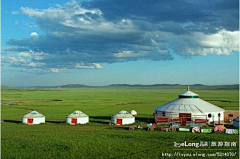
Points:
(33, 118)
(236, 122)
(189, 108)
(122, 118)
(77, 117)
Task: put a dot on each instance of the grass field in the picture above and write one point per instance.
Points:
(55, 139)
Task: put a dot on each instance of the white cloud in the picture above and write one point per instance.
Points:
(83, 36)
(14, 60)
(35, 64)
(32, 12)
(20, 61)
(38, 55)
(43, 71)
(221, 39)
(88, 66)
(131, 54)
(98, 66)
(34, 34)
(24, 54)
(221, 43)
(73, 15)
(207, 51)
(56, 70)
(80, 10)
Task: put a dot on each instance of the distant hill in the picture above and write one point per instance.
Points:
(226, 87)
(6, 87)
(154, 86)
(177, 86)
(62, 86)
(73, 86)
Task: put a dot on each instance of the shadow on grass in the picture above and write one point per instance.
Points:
(119, 127)
(146, 120)
(229, 126)
(12, 121)
(100, 119)
(55, 121)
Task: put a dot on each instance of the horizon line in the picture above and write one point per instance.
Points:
(121, 84)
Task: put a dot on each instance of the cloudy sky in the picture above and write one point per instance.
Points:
(101, 42)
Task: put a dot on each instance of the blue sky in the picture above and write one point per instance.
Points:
(102, 42)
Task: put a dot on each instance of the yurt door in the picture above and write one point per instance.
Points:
(74, 121)
(119, 121)
(30, 121)
(184, 117)
(184, 122)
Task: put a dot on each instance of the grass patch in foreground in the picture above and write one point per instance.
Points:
(97, 139)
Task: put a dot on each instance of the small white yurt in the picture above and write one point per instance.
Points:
(236, 122)
(189, 108)
(33, 118)
(122, 118)
(134, 113)
(77, 117)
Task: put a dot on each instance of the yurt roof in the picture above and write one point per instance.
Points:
(77, 114)
(33, 114)
(236, 119)
(188, 94)
(123, 114)
(188, 102)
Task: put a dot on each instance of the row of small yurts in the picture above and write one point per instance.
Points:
(77, 117)
(188, 108)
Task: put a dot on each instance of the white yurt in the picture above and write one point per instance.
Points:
(33, 118)
(236, 122)
(77, 117)
(189, 108)
(122, 118)
(134, 113)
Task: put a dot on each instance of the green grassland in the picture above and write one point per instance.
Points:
(55, 139)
